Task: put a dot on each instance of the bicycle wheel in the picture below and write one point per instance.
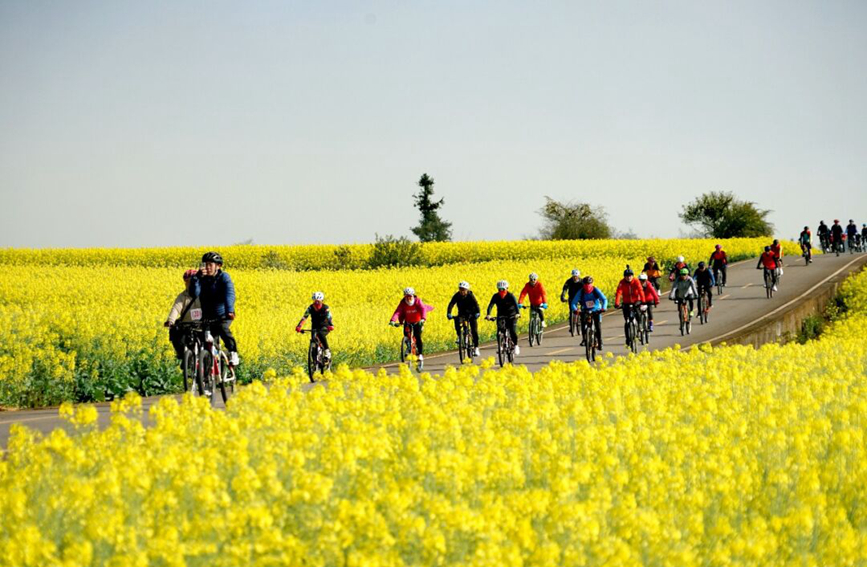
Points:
(501, 348)
(223, 377)
(405, 348)
(462, 350)
(203, 373)
(682, 318)
(632, 338)
(534, 321)
(468, 346)
(510, 351)
(589, 342)
(188, 368)
(311, 360)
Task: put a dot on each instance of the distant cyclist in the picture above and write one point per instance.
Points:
(468, 309)
(719, 263)
(679, 265)
(684, 290)
(824, 234)
(185, 310)
(591, 300)
(651, 298)
(538, 298)
(570, 289)
(704, 282)
(507, 309)
(320, 320)
(652, 271)
(837, 235)
(777, 249)
(851, 233)
(413, 312)
(768, 261)
(629, 295)
(216, 292)
(863, 236)
(805, 239)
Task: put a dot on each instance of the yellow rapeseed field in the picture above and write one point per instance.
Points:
(731, 456)
(80, 324)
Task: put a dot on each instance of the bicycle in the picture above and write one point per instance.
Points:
(535, 326)
(719, 283)
(505, 346)
(807, 254)
(466, 351)
(702, 307)
(588, 331)
(684, 317)
(214, 368)
(770, 277)
(825, 243)
(409, 349)
(630, 328)
(316, 359)
(574, 320)
(643, 325)
(192, 339)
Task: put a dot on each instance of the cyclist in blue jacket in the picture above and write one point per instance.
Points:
(591, 299)
(216, 293)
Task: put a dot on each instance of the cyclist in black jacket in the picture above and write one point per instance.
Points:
(321, 322)
(571, 288)
(508, 309)
(468, 308)
(837, 235)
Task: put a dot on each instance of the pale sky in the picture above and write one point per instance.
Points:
(130, 123)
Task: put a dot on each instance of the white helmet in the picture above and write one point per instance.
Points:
(409, 291)
(576, 273)
(642, 276)
(534, 276)
(318, 296)
(680, 258)
(502, 284)
(464, 285)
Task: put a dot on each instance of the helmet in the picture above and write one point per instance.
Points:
(680, 258)
(701, 264)
(684, 272)
(502, 284)
(642, 276)
(821, 222)
(588, 280)
(836, 221)
(651, 259)
(719, 246)
(576, 273)
(318, 296)
(189, 273)
(850, 220)
(409, 291)
(806, 228)
(776, 241)
(464, 285)
(534, 276)
(767, 248)
(628, 272)
(212, 257)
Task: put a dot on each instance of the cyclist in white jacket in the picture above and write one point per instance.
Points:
(684, 289)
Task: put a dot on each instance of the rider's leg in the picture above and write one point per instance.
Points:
(474, 330)
(597, 317)
(177, 340)
(458, 329)
(416, 331)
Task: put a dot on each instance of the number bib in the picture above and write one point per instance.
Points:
(589, 304)
(196, 314)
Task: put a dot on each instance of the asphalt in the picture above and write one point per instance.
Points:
(742, 303)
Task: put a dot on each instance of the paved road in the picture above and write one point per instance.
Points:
(742, 303)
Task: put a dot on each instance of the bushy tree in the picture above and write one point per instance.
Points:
(431, 227)
(570, 220)
(720, 214)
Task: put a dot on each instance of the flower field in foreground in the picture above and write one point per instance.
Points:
(75, 332)
(727, 456)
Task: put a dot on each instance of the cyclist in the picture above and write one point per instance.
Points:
(719, 263)
(824, 236)
(412, 311)
(652, 271)
(320, 320)
(538, 297)
(507, 309)
(185, 310)
(806, 241)
(468, 309)
(678, 266)
(777, 249)
(704, 282)
(632, 295)
(837, 235)
(851, 233)
(651, 298)
(768, 261)
(684, 290)
(216, 291)
(570, 288)
(591, 300)
(863, 236)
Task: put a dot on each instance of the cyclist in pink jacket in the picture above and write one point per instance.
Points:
(413, 312)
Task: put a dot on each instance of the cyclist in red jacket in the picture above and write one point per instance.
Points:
(719, 262)
(768, 261)
(651, 298)
(538, 297)
(630, 292)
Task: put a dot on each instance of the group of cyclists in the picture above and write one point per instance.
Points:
(208, 299)
(835, 237)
